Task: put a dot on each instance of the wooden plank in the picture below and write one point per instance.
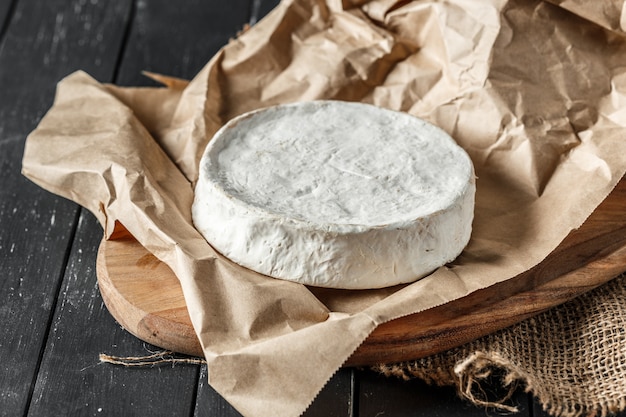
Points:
(6, 13)
(178, 38)
(209, 403)
(35, 231)
(46, 41)
(42, 42)
(260, 8)
(71, 380)
(380, 395)
(335, 399)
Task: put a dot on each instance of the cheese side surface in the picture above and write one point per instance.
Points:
(335, 194)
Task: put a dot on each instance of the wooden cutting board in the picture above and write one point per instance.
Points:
(145, 297)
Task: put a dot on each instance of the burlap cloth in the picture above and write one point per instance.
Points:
(572, 358)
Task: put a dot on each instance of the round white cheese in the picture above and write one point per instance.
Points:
(335, 194)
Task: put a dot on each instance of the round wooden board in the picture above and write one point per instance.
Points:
(145, 297)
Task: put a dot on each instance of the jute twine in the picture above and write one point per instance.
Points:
(155, 358)
(572, 358)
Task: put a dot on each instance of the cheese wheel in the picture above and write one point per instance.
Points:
(335, 194)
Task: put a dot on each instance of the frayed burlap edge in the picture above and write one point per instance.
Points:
(572, 358)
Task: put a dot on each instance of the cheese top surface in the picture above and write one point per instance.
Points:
(335, 163)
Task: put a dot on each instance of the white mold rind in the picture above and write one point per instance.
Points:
(335, 194)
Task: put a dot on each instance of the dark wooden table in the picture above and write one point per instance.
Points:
(53, 322)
